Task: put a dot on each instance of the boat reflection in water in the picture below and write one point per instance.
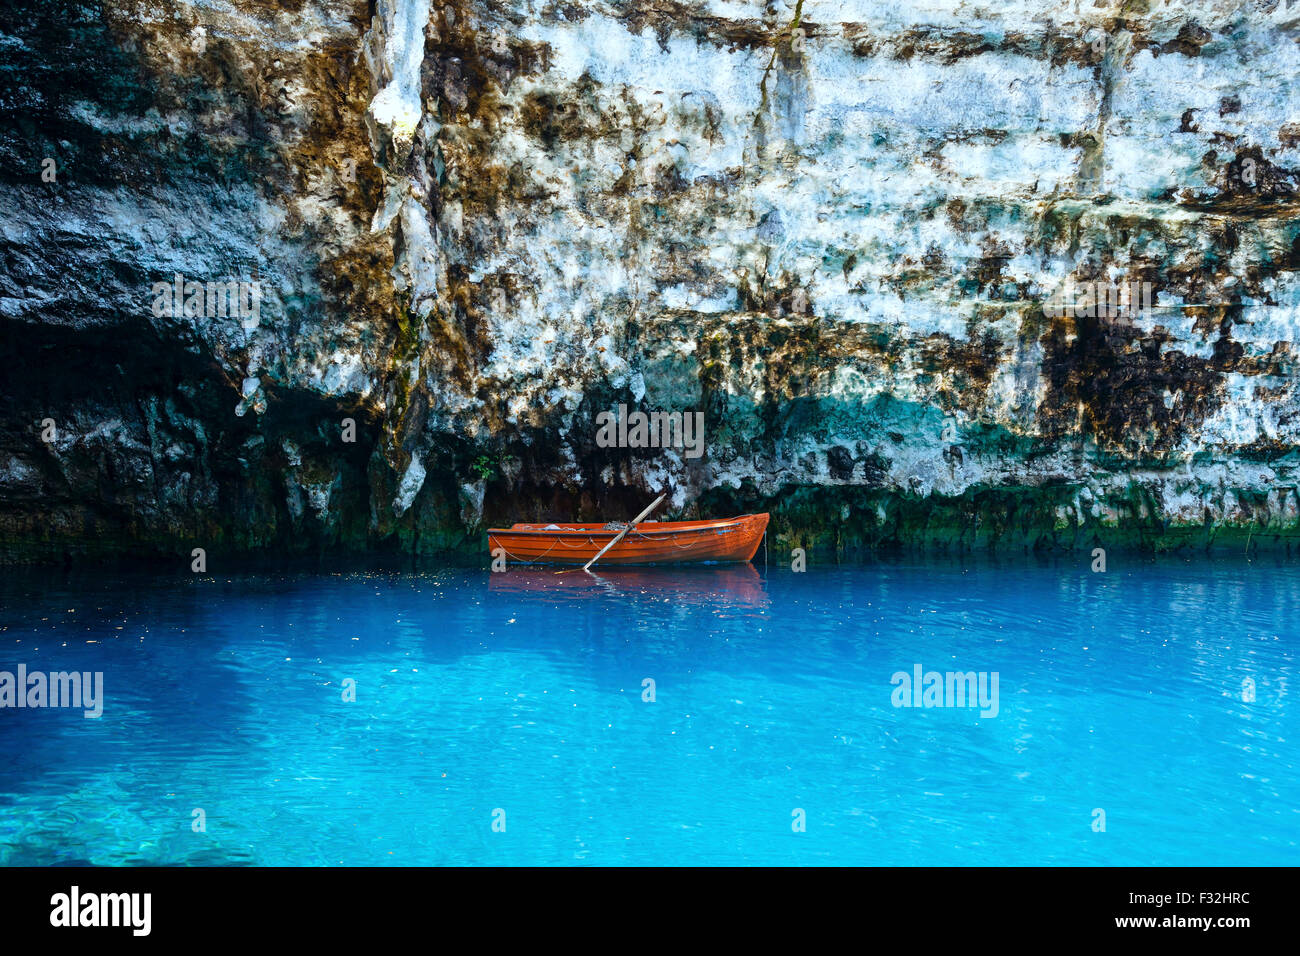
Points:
(645, 543)
(734, 585)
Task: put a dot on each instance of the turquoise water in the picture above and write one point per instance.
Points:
(523, 693)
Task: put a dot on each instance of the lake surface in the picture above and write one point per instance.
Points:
(520, 699)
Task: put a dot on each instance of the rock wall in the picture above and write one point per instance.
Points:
(835, 229)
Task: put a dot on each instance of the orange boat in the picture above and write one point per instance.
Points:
(650, 542)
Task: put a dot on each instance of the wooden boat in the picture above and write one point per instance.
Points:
(650, 542)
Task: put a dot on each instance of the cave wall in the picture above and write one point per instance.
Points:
(832, 228)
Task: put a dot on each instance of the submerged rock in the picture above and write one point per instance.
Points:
(839, 231)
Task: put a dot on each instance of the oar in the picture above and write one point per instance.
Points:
(623, 534)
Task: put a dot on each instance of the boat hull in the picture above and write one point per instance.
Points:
(651, 542)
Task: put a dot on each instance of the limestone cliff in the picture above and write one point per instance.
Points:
(832, 227)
